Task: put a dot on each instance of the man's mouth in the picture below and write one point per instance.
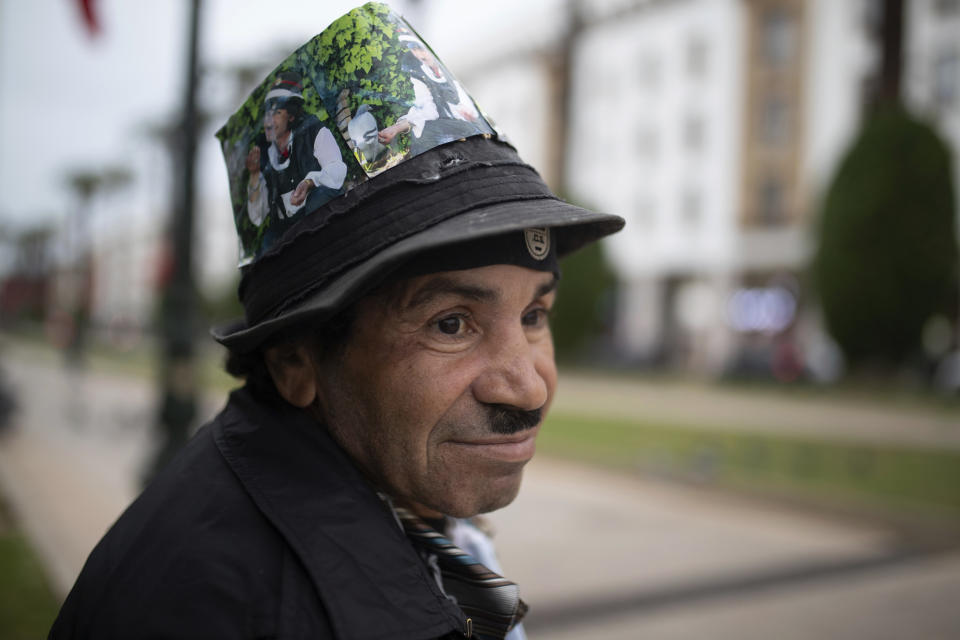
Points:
(517, 447)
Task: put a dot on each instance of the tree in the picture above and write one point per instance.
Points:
(580, 313)
(887, 257)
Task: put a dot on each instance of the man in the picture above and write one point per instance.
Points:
(442, 110)
(363, 132)
(398, 365)
(302, 157)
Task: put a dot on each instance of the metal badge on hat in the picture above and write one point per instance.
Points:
(537, 240)
(353, 102)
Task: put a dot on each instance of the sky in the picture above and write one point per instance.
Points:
(71, 101)
(74, 102)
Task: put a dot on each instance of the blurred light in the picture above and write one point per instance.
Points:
(764, 309)
(947, 376)
(937, 336)
(824, 360)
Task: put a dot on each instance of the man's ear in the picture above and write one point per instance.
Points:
(293, 373)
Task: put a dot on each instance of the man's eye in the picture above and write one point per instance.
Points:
(535, 318)
(450, 325)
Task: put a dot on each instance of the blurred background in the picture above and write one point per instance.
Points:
(757, 432)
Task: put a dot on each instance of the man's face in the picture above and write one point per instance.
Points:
(281, 121)
(268, 132)
(424, 56)
(436, 393)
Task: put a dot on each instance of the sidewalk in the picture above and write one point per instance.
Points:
(598, 555)
(73, 459)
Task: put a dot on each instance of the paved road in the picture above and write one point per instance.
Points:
(598, 555)
(607, 557)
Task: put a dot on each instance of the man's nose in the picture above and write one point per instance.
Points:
(511, 376)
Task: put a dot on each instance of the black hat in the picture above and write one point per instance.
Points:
(287, 88)
(446, 179)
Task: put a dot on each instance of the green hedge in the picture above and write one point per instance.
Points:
(887, 255)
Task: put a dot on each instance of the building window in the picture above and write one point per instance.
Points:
(770, 201)
(697, 54)
(947, 7)
(648, 143)
(611, 81)
(693, 133)
(691, 206)
(872, 17)
(774, 122)
(645, 211)
(946, 75)
(777, 36)
(648, 70)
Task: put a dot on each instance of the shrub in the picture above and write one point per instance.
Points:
(887, 255)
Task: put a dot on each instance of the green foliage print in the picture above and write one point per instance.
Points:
(361, 52)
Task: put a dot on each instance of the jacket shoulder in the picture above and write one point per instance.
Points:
(192, 555)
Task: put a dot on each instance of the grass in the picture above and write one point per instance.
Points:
(893, 479)
(27, 606)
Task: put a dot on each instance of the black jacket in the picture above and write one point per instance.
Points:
(260, 528)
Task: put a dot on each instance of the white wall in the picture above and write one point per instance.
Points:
(518, 99)
(931, 84)
(839, 56)
(637, 100)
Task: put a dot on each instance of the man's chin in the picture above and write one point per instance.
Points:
(485, 496)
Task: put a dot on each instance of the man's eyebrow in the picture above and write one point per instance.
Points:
(441, 286)
(547, 287)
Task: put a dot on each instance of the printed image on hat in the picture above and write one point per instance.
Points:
(361, 158)
(358, 99)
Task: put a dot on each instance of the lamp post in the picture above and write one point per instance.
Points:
(179, 317)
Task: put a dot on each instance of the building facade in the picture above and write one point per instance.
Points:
(714, 127)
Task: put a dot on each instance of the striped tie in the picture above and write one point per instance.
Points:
(491, 603)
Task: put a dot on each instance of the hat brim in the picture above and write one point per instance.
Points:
(572, 228)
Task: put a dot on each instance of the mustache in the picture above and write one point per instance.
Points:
(507, 420)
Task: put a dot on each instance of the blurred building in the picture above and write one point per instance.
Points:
(127, 269)
(714, 127)
(25, 282)
(932, 68)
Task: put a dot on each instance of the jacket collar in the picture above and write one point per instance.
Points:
(369, 577)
